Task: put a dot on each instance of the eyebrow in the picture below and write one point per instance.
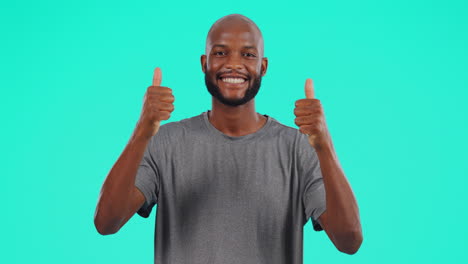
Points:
(224, 46)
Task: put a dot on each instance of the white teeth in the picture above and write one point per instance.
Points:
(233, 80)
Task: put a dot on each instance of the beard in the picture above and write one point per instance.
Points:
(214, 90)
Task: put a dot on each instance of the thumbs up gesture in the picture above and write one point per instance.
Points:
(310, 118)
(157, 106)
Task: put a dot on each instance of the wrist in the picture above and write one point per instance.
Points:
(140, 134)
(324, 147)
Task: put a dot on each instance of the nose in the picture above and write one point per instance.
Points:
(234, 62)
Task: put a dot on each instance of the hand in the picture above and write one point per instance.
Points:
(157, 106)
(310, 118)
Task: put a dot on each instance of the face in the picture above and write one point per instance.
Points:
(234, 63)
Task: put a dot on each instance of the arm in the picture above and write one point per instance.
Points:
(119, 198)
(341, 219)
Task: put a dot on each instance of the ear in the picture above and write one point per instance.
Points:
(203, 63)
(264, 66)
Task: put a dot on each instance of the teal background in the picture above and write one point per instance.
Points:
(391, 75)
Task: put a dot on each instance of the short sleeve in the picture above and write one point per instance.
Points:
(147, 178)
(314, 190)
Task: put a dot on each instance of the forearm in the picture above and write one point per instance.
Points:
(341, 217)
(342, 211)
(114, 200)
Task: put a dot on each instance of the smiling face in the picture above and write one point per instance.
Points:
(234, 62)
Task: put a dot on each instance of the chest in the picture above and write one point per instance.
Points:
(238, 175)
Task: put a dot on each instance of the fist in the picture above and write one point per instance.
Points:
(157, 106)
(310, 118)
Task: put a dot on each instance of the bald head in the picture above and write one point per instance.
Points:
(233, 62)
(234, 23)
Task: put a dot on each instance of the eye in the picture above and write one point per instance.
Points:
(219, 53)
(249, 55)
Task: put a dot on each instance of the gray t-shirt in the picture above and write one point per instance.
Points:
(230, 200)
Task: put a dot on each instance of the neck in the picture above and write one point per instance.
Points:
(235, 121)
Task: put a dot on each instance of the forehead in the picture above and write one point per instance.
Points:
(233, 34)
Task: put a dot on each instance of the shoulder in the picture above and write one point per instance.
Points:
(297, 141)
(286, 132)
(177, 129)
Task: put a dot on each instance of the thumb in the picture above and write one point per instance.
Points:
(157, 77)
(309, 88)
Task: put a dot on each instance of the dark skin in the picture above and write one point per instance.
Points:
(119, 199)
(234, 46)
(341, 219)
(230, 46)
(226, 48)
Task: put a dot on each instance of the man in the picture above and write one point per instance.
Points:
(232, 186)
